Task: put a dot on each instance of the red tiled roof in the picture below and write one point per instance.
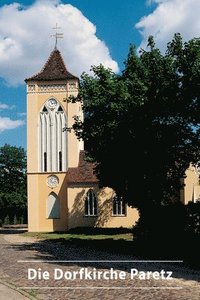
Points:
(54, 69)
(84, 173)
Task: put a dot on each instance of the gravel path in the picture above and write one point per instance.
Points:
(15, 249)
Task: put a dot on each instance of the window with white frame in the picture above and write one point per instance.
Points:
(118, 206)
(90, 204)
(52, 138)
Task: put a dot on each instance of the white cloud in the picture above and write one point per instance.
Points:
(168, 18)
(6, 106)
(3, 106)
(7, 123)
(25, 42)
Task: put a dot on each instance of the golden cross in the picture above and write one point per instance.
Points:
(57, 35)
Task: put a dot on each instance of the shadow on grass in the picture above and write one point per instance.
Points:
(96, 231)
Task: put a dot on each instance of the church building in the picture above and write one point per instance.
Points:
(63, 191)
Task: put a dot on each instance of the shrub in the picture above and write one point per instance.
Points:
(6, 220)
(164, 232)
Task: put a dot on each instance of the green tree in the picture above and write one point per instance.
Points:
(142, 127)
(13, 199)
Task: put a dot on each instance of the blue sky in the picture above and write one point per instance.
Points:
(95, 31)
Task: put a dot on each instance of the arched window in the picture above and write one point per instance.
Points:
(52, 138)
(118, 206)
(53, 206)
(90, 204)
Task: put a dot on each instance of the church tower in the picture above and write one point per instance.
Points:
(50, 150)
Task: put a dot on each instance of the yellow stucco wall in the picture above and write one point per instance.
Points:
(191, 189)
(37, 203)
(76, 196)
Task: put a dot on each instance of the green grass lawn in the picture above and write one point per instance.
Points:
(107, 240)
(81, 236)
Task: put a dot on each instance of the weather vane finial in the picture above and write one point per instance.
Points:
(57, 35)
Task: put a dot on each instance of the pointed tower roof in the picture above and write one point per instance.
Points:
(54, 69)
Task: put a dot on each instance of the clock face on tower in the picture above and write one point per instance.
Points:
(52, 103)
(52, 181)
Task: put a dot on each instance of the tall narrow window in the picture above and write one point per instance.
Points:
(53, 206)
(45, 161)
(52, 138)
(118, 206)
(60, 161)
(90, 204)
